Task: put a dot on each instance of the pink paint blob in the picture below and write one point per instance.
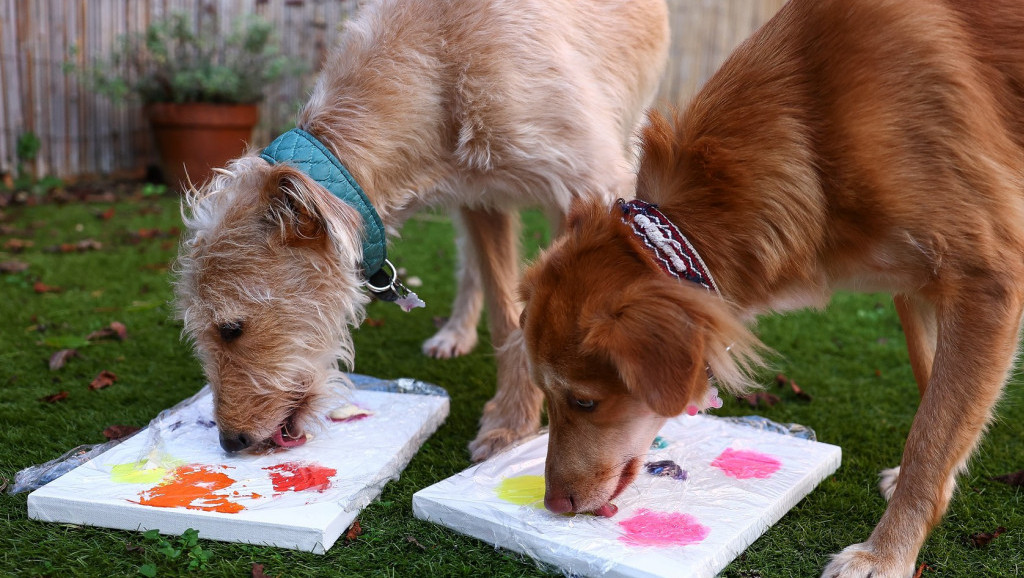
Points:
(745, 464)
(649, 528)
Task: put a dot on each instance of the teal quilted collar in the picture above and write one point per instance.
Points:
(302, 150)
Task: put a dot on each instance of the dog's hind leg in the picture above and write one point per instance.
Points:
(458, 335)
(977, 335)
(917, 316)
(514, 412)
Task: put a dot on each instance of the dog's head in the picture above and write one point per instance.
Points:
(618, 347)
(268, 283)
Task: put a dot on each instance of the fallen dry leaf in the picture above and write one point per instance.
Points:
(12, 267)
(3, 483)
(921, 569)
(40, 287)
(981, 539)
(1014, 479)
(104, 379)
(116, 432)
(374, 322)
(415, 542)
(760, 397)
(257, 571)
(353, 531)
(57, 360)
(55, 397)
(17, 245)
(782, 381)
(107, 215)
(116, 329)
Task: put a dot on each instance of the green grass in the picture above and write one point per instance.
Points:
(850, 358)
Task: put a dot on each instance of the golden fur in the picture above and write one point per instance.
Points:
(870, 145)
(482, 107)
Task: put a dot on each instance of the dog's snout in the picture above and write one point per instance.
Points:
(235, 442)
(558, 504)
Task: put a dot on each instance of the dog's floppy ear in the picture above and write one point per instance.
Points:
(663, 335)
(306, 214)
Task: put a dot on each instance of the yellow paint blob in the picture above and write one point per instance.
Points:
(137, 472)
(523, 490)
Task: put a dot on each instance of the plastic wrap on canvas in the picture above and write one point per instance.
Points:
(34, 477)
(708, 489)
(174, 475)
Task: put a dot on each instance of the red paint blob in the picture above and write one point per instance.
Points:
(192, 487)
(744, 464)
(295, 477)
(649, 528)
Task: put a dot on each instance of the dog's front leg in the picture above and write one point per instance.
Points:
(458, 335)
(976, 342)
(514, 412)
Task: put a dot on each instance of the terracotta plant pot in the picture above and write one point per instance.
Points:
(195, 137)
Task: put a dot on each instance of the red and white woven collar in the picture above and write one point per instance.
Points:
(671, 249)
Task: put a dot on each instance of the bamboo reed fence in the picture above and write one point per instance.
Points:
(83, 134)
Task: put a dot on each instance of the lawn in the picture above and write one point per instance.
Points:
(850, 358)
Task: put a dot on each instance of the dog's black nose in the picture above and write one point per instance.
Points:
(234, 442)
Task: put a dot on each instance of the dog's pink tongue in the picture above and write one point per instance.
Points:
(286, 441)
(608, 510)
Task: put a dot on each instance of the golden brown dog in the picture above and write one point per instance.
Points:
(869, 145)
(478, 106)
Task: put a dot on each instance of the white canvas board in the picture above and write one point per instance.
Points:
(739, 480)
(173, 475)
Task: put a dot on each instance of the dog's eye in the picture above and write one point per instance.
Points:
(230, 331)
(585, 404)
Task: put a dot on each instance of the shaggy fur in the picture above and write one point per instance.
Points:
(478, 106)
(874, 145)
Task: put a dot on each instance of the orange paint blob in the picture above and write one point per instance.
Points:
(296, 477)
(193, 487)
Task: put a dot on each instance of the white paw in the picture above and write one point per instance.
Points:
(450, 342)
(887, 482)
(861, 561)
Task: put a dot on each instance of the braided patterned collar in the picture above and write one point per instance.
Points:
(676, 256)
(671, 250)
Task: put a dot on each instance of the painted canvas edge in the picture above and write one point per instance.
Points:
(62, 509)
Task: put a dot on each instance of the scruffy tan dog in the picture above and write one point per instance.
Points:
(871, 145)
(480, 106)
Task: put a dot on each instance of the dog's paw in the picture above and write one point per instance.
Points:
(450, 342)
(887, 482)
(861, 561)
(489, 443)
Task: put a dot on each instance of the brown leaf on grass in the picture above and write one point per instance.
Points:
(3, 483)
(353, 531)
(374, 322)
(104, 379)
(782, 381)
(79, 247)
(40, 287)
(981, 539)
(107, 215)
(415, 542)
(55, 397)
(12, 266)
(257, 571)
(921, 569)
(57, 360)
(760, 397)
(1014, 479)
(17, 245)
(116, 329)
(116, 432)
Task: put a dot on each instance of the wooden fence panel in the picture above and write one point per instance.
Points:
(85, 134)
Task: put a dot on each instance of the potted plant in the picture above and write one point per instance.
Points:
(199, 89)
